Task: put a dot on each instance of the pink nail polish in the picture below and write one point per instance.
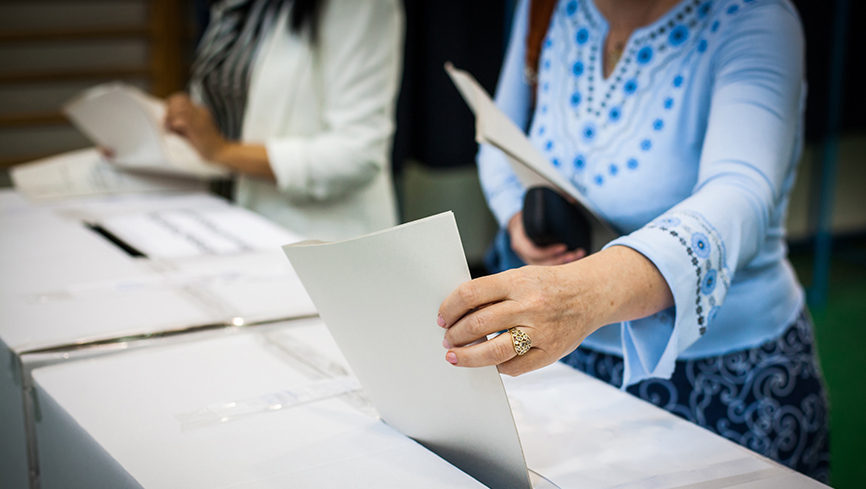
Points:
(451, 357)
(446, 344)
(440, 321)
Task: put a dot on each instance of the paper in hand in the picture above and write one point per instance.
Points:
(129, 122)
(379, 295)
(531, 167)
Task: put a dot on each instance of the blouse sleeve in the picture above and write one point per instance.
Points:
(747, 155)
(360, 56)
(503, 191)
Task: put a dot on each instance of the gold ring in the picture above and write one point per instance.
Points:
(521, 341)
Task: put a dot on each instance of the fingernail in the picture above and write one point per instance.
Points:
(440, 321)
(446, 344)
(451, 357)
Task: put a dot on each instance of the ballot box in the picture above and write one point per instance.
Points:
(121, 269)
(262, 409)
(577, 431)
(279, 407)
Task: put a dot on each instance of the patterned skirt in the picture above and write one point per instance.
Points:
(770, 399)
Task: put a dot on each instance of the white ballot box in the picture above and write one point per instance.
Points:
(577, 431)
(279, 407)
(122, 269)
(242, 411)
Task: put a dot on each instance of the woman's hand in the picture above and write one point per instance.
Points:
(196, 124)
(526, 250)
(556, 306)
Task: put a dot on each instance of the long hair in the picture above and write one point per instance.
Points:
(305, 15)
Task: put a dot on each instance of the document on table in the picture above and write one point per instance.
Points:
(130, 123)
(175, 233)
(379, 296)
(531, 167)
(85, 173)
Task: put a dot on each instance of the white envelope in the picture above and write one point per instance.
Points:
(379, 295)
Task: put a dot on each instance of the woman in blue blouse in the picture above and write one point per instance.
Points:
(681, 122)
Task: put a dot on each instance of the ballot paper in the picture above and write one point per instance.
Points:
(379, 296)
(187, 232)
(531, 167)
(126, 120)
(86, 173)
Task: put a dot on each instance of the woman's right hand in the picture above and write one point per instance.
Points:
(526, 250)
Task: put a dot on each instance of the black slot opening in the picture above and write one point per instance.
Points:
(123, 245)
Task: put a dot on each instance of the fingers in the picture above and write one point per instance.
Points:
(472, 295)
(499, 351)
(482, 322)
(178, 123)
(491, 352)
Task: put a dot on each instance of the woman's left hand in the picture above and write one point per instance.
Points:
(557, 306)
(196, 124)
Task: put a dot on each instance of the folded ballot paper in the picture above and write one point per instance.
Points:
(531, 167)
(379, 296)
(130, 123)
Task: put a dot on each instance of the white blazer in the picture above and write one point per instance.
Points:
(325, 113)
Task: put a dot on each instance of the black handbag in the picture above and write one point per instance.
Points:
(550, 219)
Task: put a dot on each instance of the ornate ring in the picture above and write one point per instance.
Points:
(521, 341)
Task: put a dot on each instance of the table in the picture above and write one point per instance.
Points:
(66, 287)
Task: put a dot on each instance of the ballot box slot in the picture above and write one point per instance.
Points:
(116, 241)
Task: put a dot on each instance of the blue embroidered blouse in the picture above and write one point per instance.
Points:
(689, 148)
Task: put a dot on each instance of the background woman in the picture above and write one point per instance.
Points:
(297, 97)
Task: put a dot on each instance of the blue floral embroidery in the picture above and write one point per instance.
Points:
(575, 98)
(669, 103)
(644, 55)
(589, 131)
(631, 164)
(658, 124)
(579, 162)
(556, 162)
(577, 69)
(702, 46)
(669, 222)
(582, 36)
(678, 81)
(613, 169)
(549, 145)
(571, 8)
(646, 144)
(630, 86)
(701, 245)
(709, 283)
(711, 316)
(599, 180)
(615, 113)
(678, 35)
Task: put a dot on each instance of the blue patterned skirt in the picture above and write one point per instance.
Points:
(770, 399)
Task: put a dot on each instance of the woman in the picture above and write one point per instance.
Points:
(681, 122)
(297, 97)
